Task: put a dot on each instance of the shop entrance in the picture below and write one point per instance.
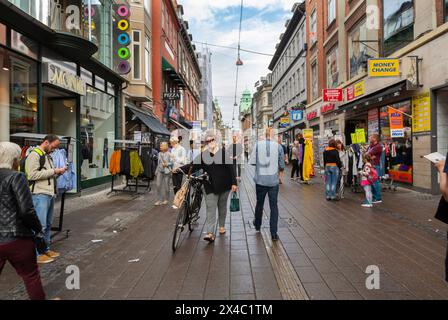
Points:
(59, 110)
(358, 122)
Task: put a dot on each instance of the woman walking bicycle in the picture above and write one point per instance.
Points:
(221, 181)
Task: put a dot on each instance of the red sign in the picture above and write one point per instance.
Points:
(333, 95)
(327, 108)
(350, 93)
(312, 115)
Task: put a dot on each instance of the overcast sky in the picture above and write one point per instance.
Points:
(217, 22)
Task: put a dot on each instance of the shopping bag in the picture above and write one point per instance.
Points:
(234, 203)
(180, 196)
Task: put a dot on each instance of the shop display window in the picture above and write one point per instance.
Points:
(22, 99)
(97, 132)
(24, 44)
(399, 157)
(398, 24)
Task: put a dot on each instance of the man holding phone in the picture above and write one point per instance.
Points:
(42, 174)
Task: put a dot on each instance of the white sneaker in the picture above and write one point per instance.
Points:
(165, 202)
(158, 203)
(367, 205)
(376, 202)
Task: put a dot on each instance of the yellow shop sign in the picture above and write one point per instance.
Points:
(384, 68)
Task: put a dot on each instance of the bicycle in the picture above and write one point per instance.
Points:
(189, 211)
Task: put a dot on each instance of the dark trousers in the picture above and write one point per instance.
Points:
(446, 262)
(21, 253)
(301, 170)
(237, 169)
(177, 181)
(295, 168)
(272, 193)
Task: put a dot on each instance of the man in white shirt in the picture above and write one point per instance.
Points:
(179, 157)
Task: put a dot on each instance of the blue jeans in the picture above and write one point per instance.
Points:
(272, 193)
(376, 188)
(331, 177)
(44, 206)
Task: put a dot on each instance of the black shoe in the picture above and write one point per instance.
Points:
(328, 199)
(274, 237)
(256, 228)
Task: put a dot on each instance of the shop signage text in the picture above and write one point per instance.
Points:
(64, 79)
(332, 95)
(421, 109)
(384, 68)
(312, 115)
(170, 96)
(355, 91)
(327, 108)
(396, 123)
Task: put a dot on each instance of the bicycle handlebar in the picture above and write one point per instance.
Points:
(203, 176)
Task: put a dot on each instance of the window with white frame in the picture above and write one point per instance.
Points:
(136, 47)
(147, 60)
(331, 11)
(314, 81)
(148, 6)
(313, 28)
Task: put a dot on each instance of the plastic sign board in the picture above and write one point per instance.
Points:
(332, 95)
(421, 109)
(384, 68)
(360, 136)
(308, 133)
(396, 123)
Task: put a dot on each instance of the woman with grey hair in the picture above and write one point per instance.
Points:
(18, 222)
(218, 165)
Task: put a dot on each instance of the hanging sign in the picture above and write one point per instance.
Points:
(396, 123)
(297, 115)
(384, 68)
(354, 139)
(284, 122)
(421, 110)
(373, 122)
(332, 95)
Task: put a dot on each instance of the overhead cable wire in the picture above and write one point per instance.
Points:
(238, 62)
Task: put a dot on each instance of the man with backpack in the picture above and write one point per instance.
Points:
(41, 173)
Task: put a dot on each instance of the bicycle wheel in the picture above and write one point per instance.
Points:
(179, 227)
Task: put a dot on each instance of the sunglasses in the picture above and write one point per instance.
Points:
(208, 141)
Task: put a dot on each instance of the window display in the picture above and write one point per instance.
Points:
(398, 24)
(97, 132)
(332, 68)
(398, 149)
(359, 53)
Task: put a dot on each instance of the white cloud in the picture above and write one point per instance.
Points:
(209, 23)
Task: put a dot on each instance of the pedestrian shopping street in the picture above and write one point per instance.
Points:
(323, 252)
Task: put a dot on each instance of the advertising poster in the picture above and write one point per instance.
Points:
(308, 133)
(373, 122)
(396, 123)
(421, 109)
(360, 136)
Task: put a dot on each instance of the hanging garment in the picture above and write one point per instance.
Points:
(67, 181)
(136, 166)
(125, 163)
(307, 160)
(114, 167)
(146, 157)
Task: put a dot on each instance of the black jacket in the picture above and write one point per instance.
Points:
(220, 171)
(331, 155)
(17, 215)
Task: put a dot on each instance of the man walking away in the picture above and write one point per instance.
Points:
(42, 175)
(269, 161)
(375, 152)
(295, 160)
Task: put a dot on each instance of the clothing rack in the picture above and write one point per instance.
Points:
(24, 139)
(129, 187)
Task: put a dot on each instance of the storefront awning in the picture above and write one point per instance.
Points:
(376, 97)
(178, 124)
(152, 123)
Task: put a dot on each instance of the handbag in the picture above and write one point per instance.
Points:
(180, 196)
(234, 203)
(442, 211)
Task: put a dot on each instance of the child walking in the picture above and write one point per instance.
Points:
(163, 172)
(368, 177)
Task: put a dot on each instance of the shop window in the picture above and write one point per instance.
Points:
(100, 33)
(111, 89)
(314, 81)
(398, 141)
(100, 84)
(332, 68)
(313, 28)
(136, 45)
(20, 76)
(97, 132)
(2, 34)
(147, 60)
(398, 24)
(446, 10)
(23, 44)
(359, 52)
(86, 75)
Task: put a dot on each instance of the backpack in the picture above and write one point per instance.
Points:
(22, 165)
(373, 176)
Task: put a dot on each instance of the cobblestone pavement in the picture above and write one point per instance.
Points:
(324, 250)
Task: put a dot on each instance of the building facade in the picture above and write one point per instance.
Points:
(289, 82)
(262, 104)
(342, 37)
(58, 77)
(205, 63)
